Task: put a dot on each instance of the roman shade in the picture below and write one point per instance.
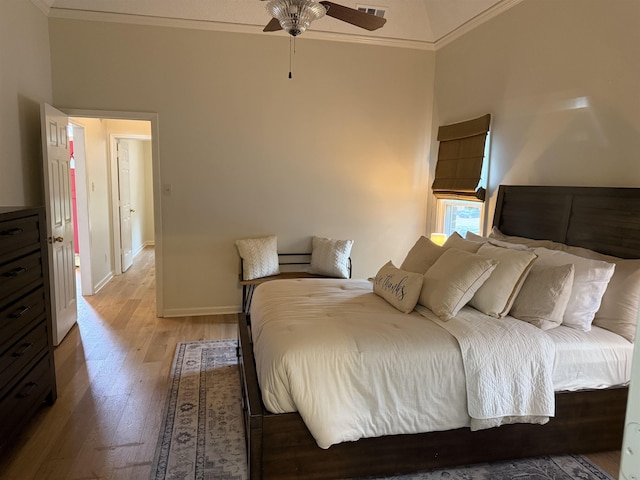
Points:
(460, 157)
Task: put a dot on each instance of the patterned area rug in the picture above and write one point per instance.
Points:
(202, 435)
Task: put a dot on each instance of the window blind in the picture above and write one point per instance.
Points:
(460, 157)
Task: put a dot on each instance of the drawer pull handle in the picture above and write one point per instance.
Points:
(11, 232)
(20, 312)
(15, 272)
(23, 349)
(27, 389)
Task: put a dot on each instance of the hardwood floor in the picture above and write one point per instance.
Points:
(112, 372)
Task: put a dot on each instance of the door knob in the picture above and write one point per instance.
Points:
(132, 210)
(57, 239)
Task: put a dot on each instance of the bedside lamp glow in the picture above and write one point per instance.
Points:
(438, 238)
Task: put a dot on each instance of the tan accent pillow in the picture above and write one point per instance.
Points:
(456, 241)
(259, 257)
(473, 237)
(330, 257)
(497, 294)
(452, 280)
(398, 287)
(421, 256)
(544, 296)
(590, 280)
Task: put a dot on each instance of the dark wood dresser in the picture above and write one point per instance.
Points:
(27, 374)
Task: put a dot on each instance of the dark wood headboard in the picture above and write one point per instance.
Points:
(604, 219)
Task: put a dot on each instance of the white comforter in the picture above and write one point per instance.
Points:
(353, 366)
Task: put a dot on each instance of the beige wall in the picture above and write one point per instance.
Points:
(148, 229)
(25, 82)
(99, 200)
(562, 80)
(338, 151)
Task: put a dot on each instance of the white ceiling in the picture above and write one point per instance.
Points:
(413, 22)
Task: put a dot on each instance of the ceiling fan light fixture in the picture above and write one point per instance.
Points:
(295, 16)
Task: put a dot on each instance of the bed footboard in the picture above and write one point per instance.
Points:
(281, 447)
(252, 408)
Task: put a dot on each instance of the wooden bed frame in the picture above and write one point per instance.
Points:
(279, 446)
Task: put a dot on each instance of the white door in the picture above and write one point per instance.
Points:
(124, 204)
(57, 189)
(630, 461)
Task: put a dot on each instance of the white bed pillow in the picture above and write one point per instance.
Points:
(330, 257)
(421, 256)
(544, 296)
(620, 304)
(452, 280)
(497, 294)
(472, 237)
(259, 257)
(496, 234)
(398, 287)
(590, 281)
(618, 310)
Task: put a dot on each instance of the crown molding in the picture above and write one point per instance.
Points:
(73, 14)
(42, 5)
(466, 27)
(365, 40)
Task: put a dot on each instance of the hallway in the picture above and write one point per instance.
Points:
(112, 374)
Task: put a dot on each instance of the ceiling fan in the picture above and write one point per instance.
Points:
(295, 16)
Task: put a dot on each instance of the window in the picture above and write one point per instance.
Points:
(459, 216)
(461, 176)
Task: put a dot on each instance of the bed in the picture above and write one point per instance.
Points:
(600, 219)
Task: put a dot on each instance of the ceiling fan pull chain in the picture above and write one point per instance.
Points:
(292, 51)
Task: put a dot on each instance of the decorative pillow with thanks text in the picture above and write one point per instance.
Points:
(398, 287)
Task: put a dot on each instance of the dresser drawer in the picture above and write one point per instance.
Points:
(21, 354)
(27, 374)
(19, 234)
(19, 317)
(20, 273)
(25, 397)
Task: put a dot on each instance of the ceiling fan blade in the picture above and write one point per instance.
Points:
(272, 26)
(353, 16)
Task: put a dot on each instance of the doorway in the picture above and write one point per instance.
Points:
(132, 196)
(97, 188)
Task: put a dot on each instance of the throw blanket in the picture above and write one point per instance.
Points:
(508, 368)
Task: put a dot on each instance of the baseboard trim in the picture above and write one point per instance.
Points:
(102, 283)
(200, 311)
